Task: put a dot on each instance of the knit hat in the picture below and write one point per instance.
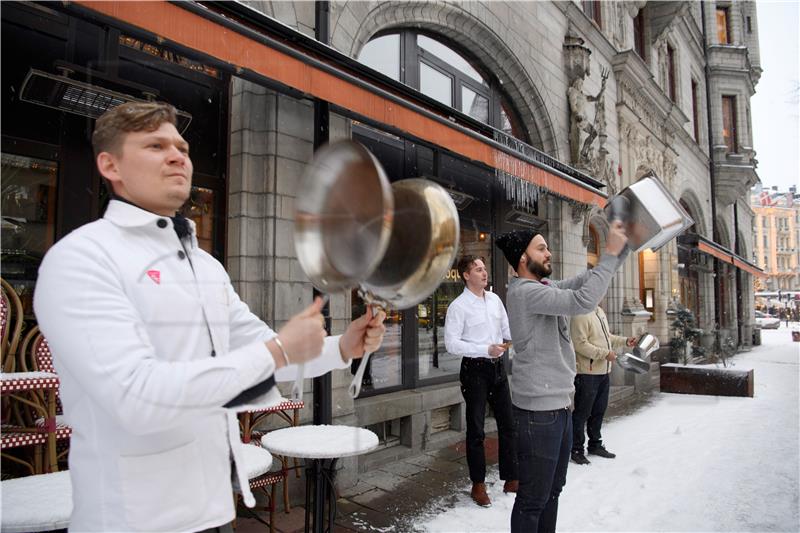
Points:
(514, 243)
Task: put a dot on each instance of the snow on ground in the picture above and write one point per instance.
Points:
(684, 463)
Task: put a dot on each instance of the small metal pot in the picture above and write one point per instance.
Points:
(423, 244)
(652, 216)
(631, 363)
(646, 345)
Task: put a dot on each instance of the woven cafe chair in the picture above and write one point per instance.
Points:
(258, 463)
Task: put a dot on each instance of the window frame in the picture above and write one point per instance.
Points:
(412, 54)
(732, 139)
(725, 11)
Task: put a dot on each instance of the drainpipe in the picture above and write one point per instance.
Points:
(738, 274)
(322, 387)
(711, 168)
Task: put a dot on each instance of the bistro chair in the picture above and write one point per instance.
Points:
(249, 420)
(36, 503)
(258, 462)
(37, 357)
(11, 322)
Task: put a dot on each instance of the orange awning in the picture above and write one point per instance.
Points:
(244, 52)
(723, 254)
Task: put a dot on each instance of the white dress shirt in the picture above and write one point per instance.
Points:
(473, 323)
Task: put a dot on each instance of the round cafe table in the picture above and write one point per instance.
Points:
(320, 447)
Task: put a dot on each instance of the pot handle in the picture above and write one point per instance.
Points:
(355, 386)
(297, 387)
(618, 209)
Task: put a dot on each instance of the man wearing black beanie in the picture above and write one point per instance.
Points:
(544, 366)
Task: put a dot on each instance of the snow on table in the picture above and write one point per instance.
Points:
(320, 442)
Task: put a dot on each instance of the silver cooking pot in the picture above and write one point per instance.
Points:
(638, 362)
(651, 215)
(352, 230)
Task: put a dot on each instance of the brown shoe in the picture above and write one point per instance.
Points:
(479, 495)
(511, 485)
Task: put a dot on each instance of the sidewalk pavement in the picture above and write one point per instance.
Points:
(390, 498)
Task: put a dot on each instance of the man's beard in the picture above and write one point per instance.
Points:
(538, 269)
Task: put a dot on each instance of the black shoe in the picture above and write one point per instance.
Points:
(602, 452)
(579, 458)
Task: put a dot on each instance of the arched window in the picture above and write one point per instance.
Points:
(436, 69)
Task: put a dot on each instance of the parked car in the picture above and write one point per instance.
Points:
(767, 321)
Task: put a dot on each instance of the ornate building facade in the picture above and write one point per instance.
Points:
(530, 113)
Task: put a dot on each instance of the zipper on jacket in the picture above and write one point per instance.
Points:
(205, 319)
(608, 340)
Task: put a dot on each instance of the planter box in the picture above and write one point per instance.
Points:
(704, 379)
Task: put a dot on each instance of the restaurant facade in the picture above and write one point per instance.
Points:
(490, 100)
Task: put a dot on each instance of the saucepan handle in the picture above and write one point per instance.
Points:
(355, 386)
(297, 388)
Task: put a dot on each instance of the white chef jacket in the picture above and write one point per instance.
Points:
(132, 315)
(472, 324)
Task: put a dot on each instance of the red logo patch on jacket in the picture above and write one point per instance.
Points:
(155, 275)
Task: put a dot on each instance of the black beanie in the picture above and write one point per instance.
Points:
(514, 243)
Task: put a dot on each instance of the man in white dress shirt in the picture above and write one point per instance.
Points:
(475, 327)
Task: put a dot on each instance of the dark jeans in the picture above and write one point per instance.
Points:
(484, 380)
(591, 401)
(544, 439)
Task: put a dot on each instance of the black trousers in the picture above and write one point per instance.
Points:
(591, 401)
(484, 380)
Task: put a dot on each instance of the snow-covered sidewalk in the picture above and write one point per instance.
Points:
(684, 463)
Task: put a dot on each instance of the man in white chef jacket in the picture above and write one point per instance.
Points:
(151, 343)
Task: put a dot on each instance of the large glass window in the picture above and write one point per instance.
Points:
(444, 74)
(435, 84)
(385, 367)
(28, 230)
(434, 360)
(383, 55)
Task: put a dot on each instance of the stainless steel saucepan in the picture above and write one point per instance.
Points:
(638, 362)
(342, 221)
(652, 216)
(422, 247)
(354, 230)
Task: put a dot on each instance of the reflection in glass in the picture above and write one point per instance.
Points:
(449, 56)
(434, 359)
(474, 105)
(435, 84)
(28, 230)
(385, 366)
(383, 55)
(200, 208)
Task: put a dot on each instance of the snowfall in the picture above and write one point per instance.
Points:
(684, 463)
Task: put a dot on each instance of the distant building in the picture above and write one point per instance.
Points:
(776, 234)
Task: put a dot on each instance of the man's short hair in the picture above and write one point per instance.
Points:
(465, 264)
(111, 128)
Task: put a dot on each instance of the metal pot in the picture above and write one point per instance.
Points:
(646, 345)
(422, 246)
(631, 363)
(651, 215)
(343, 216)
(354, 230)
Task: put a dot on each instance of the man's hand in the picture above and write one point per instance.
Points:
(631, 342)
(611, 357)
(363, 335)
(617, 239)
(302, 336)
(496, 350)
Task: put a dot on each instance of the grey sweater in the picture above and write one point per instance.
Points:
(544, 365)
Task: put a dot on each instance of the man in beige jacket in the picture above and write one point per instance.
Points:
(595, 350)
